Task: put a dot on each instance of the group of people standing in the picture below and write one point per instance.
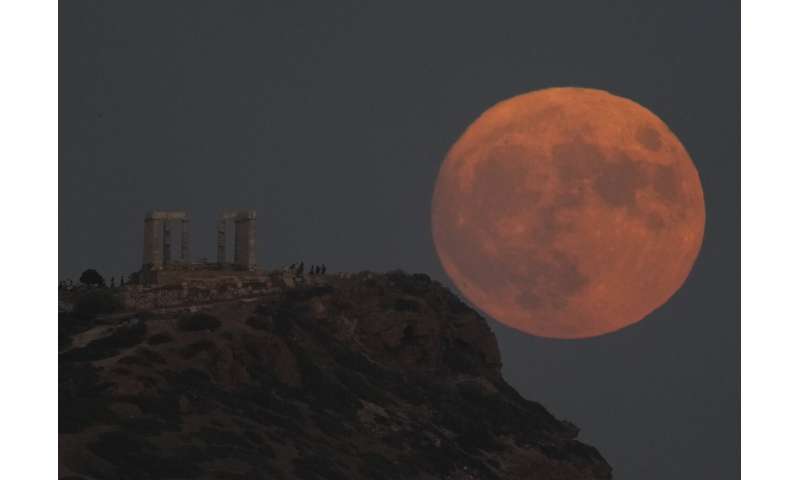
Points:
(68, 284)
(299, 269)
(90, 278)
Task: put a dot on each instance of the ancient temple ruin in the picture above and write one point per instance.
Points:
(158, 264)
(244, 245)
(158, 238)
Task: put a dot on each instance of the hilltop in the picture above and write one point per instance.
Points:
(373, 376)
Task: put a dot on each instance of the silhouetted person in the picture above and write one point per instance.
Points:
(113, 285)
(122, 281)
(323, 269)
(300, 268)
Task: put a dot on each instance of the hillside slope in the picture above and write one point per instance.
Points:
(373, 376)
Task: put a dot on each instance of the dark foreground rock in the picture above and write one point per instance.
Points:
(374, 376)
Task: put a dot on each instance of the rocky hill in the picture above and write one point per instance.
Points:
(376, 376)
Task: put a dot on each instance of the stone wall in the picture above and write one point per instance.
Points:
(197, 292)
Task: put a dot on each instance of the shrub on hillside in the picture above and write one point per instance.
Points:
(198, 321)
(92, 278)
(96, 302)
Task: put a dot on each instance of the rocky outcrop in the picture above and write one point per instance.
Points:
(372, 376)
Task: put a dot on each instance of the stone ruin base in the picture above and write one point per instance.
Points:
(178, 289)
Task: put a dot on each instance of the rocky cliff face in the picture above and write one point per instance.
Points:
(374, 376)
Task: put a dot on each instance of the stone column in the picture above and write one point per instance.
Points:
(152, 243)
(221, 225)
(185, 241)
(236, 249)
(246, 240)
(167, 252)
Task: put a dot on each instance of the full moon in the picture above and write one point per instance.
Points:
(568, 213)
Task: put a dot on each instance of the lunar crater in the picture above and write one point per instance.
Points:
(551, 281)
(649, 138)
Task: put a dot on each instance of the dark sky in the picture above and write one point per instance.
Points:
(331, 119)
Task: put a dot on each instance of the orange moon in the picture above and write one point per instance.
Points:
(568, 212)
